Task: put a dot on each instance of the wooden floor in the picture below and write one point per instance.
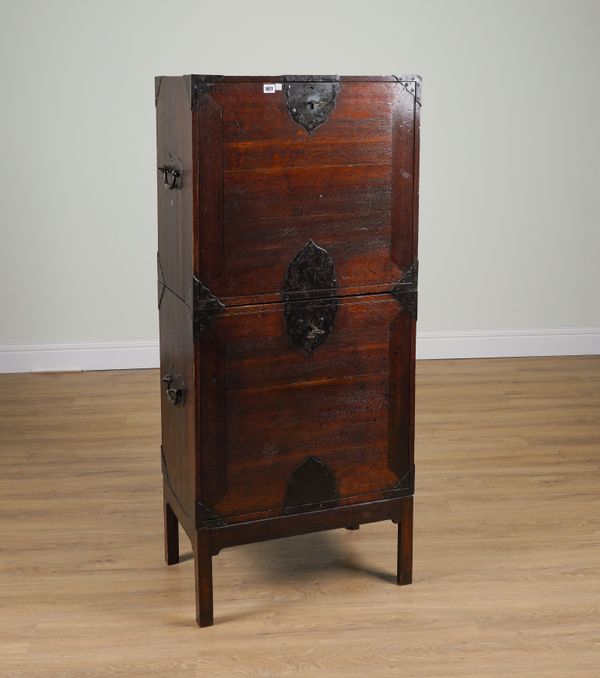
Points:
(507, 541)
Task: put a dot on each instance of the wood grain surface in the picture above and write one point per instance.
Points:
(506, 543)
(267, 405)
(264, 186)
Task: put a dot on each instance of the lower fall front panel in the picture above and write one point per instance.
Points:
(292, 420)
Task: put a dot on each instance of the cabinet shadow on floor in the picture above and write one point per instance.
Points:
(303, 557)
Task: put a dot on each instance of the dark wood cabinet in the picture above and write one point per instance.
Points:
(287, 286)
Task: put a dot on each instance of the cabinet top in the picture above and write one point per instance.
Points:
(302, 78)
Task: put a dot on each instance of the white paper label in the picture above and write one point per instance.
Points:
(270, 88)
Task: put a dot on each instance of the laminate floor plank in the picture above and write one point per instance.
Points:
(507, 541)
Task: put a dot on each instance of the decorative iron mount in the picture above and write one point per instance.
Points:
(412, 84)
(310, 103)
(309, 294)
(311, 486)
(405, 290)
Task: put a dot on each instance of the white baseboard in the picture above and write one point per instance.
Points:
(128, 355)
(100, 355)
(508, 343)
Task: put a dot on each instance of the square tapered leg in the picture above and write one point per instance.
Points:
(171, 535)
(405, 543)
(204, 586)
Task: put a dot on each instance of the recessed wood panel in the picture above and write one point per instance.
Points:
(280, 405)
(178, 418)
(266, 186)
(175, 206)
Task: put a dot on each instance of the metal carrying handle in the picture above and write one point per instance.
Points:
(174, 395)
(172, 176)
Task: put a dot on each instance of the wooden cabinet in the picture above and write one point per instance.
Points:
(287, 285)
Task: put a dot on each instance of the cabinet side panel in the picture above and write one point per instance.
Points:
(178, 400)
(416, 166)
(415, 256)
(401, 391)
(208, 177)
(403, 247)
(175, 218)
(175, 274)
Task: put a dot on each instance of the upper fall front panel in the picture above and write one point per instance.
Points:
(278, 165)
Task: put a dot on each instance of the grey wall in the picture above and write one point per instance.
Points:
(510, 146)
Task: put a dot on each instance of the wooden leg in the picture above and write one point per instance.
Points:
(405, 543)
(204, 587)
(171, 535)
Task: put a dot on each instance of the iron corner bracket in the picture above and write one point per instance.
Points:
(405, 290)
(199, 85)
(206, 517)
(412, 84)
(206, 306)
(406, 484)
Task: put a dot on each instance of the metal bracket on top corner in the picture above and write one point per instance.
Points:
(198, 85)
(412, 84)
(206, 306)
(405, 290)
